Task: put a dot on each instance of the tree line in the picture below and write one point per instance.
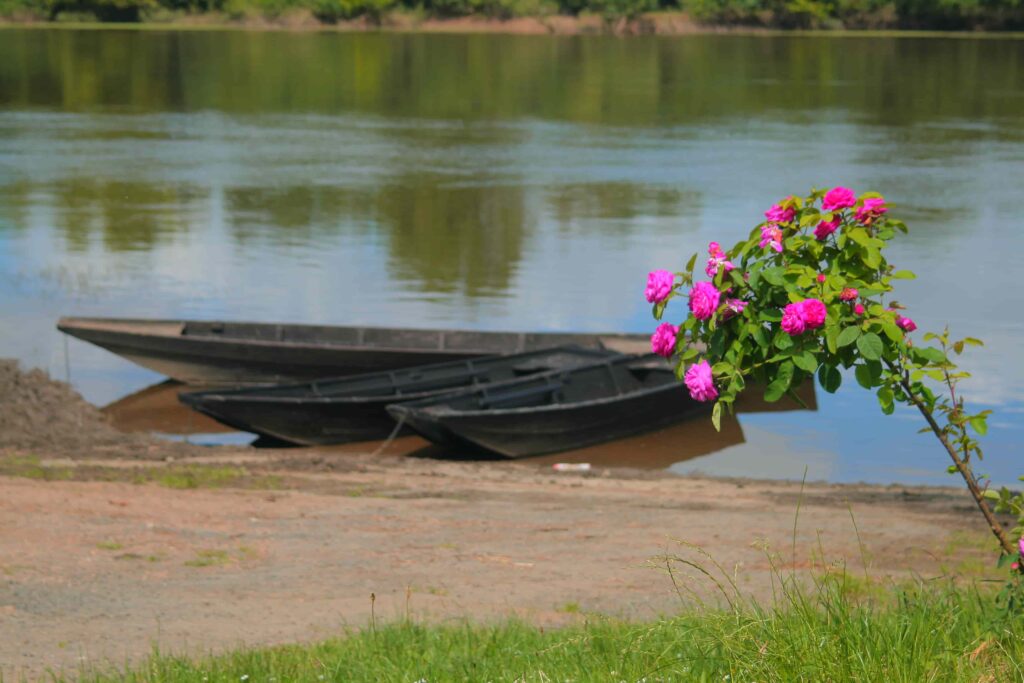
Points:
(795, 14)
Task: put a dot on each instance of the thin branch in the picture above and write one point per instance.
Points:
(961, 466)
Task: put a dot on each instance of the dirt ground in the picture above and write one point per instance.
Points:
(108, 550)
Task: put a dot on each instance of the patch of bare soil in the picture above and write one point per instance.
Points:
(36, 412)
(197, 549)
(39, 413)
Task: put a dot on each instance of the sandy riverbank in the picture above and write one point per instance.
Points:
(115, 542)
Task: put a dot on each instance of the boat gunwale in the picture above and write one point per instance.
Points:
(70, 329)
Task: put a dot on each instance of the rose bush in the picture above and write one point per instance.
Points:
(808, 294)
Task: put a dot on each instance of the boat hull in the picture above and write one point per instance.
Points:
(231, 354)
(306, 425)
(340, 410)
(520, 434)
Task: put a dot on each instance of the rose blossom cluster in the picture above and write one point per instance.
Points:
(870, 210)
(717, 260)
(701, 382)
(771, 236)
(663, 342)
(808, 314)
(659, 286)
(705, 299)
(905, 323)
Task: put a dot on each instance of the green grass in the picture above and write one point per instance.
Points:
(173, 477)
(31, 467)
(924, 633)
(209, 558)
(109, 545)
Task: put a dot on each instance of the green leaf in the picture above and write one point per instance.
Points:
(860, 236)
(892, 332)
(980, 425)
(875, 368)
(904, 275)
(872, 258)
(783, 341)
(773, 275)
(830, 378)
(716, 416)
(759, 336)
(831, 337)
(932, 355)
(870, 346)
(777, 388)
(659, 309)
(885, 399)
(863, 375)
(691, 263)
(806, 361)
(848, 336)
(721, 368)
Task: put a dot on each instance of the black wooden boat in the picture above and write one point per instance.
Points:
(229, 353)
(354, 408)
(556, 411)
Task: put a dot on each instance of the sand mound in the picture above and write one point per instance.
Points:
(39, 412)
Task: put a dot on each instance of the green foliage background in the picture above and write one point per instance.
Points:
(855, 14)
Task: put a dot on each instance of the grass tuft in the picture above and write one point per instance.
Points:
(209, 558)
(919, 633)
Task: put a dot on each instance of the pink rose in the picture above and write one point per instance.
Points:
(838, 198)
(663, 341)
(870, 210)
(659, 286)
(704, 298)
(771, 236)
(906, 323)
(733, 307)
(700, 382)
(814, 313)
(859, 309)
(826, 228)
(805, 315)
(821, 277)
(777, 214)
(717, 260)
(1020, 546)
(848, 294)
(792, 320)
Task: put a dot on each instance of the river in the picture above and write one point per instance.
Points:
(506, 183)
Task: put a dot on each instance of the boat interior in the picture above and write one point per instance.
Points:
(428, 378)
(606, 380)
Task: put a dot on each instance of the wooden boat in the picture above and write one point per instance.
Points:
(354, 408)
(229, 353)
(556, 411)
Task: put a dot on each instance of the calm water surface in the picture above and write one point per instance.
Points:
(504, 182)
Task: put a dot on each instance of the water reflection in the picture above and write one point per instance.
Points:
(587, 79)
(157, 409)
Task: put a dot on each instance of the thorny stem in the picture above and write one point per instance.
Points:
(961, 466)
